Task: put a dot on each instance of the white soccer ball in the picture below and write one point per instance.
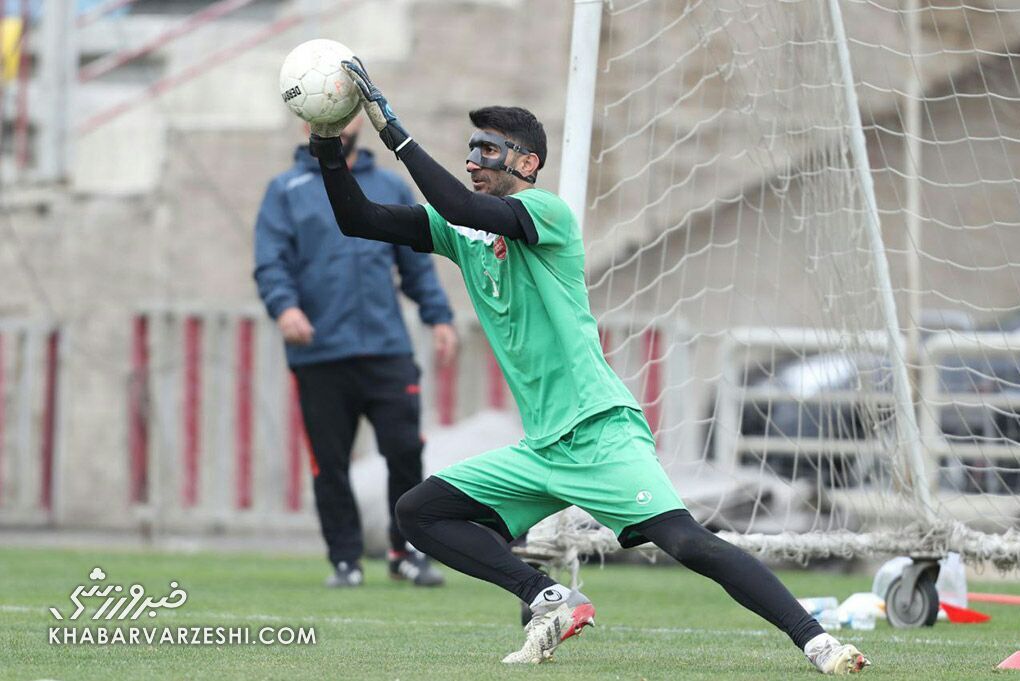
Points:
(315, 86)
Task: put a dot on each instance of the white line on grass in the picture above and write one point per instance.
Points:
(461, 624)
(621, 628)
(262, 617)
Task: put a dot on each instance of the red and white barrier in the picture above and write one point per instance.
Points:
(651, 396)
(298, 449)
(3, 415)
(30, 415)
(651, 357)
(215, 433)
(243, 420)
(138, 412)
(194, 411)
(192, 405)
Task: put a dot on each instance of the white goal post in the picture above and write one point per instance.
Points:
(825, 196)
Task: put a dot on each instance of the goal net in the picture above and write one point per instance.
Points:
(813, 209)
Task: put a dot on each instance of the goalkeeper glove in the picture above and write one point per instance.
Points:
(377, 108)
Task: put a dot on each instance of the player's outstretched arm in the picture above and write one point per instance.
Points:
(455, 202)
(355, 214)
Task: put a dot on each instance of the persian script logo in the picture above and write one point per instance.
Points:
(118, 603)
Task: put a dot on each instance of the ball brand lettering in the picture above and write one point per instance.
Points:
(291, 93)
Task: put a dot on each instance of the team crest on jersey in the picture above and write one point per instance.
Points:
(499, 248)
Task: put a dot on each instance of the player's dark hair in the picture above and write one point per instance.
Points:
(518, 124)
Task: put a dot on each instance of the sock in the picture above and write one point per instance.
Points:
(550, 598)
(818, 643)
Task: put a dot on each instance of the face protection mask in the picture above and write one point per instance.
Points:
(482, 139)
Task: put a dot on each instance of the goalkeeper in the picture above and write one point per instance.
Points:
(586, 440)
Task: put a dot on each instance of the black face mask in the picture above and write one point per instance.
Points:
(350, 145)
(481, 138)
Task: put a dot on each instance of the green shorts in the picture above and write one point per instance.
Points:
(607, 466)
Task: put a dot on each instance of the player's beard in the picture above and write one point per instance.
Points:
(497, 183)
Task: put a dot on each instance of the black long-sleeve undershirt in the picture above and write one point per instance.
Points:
(408, 225)
(359, 217)
(459, 205)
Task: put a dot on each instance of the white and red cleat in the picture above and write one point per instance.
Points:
(548, 629)
(829, 656)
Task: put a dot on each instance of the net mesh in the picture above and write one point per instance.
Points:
(745, 301)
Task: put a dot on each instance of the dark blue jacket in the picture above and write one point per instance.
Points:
(344, 285)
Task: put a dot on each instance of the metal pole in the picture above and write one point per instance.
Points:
(906, 419)
(8, 71)
(912, 133)
(579, 111)
(58, 52)
(21, 103)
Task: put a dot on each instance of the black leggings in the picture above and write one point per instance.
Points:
(743, 576)
(470, 537)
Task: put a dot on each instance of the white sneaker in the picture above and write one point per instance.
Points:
(830, 656)
(547, 630)
(346, 574)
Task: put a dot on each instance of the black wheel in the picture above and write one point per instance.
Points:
(921, 611)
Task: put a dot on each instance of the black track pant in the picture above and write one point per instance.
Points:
(469, 537)
(333, 396)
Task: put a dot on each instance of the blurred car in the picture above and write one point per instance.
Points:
(806, 401)
(848, 396)
(985, 374)
(810, 385)
(965, 372)
(1008, 323)
(993, 468)
(814, 396)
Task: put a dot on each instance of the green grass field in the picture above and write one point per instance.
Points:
(653, 623)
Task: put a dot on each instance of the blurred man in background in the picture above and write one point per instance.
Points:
(334, 299)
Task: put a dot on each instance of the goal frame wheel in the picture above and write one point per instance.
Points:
(912, 600)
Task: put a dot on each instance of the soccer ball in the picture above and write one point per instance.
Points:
(315, 86)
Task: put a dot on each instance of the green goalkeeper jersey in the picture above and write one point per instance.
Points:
(532, 303)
